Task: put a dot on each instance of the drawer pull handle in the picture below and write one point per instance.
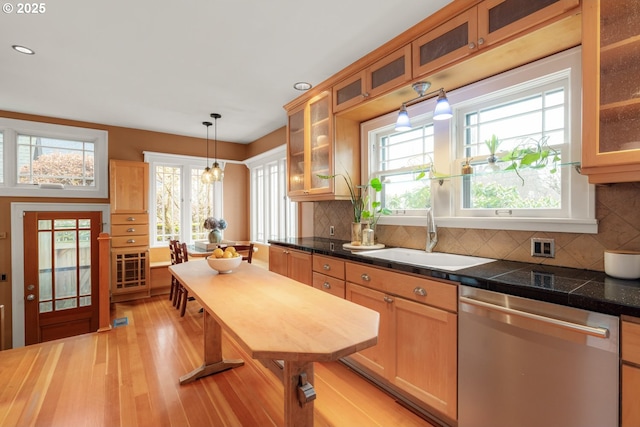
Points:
(131, 230)
(365, 277)
(388, 299)
(131, 241)
(131, 218)
(326, 267)
(326, 285)
(420, 292)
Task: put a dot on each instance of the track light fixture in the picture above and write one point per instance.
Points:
(441, 112)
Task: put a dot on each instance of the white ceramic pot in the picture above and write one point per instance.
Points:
(622, 264)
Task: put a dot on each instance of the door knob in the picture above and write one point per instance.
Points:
(31, 297)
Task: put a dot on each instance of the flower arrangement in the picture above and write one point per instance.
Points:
(212, 223)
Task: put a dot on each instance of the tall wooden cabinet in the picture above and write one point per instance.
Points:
(417, 337)
(630, 376)
(130, 264)
(611, 95)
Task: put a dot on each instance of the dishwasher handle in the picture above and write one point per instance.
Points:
(576, 327)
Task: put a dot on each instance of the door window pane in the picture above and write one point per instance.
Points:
(168, 202)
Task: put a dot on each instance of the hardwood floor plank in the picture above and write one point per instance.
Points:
(129, 377)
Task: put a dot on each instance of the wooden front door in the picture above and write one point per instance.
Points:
(60, 274)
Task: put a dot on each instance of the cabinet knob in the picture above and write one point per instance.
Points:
(365, 277)
(326, 285)
(472, 45)
(388, 299)
(131, 230)
(326, 267)
(365, 95)
(480, 41)
(131, 218)
(131, 241)
(420, 292)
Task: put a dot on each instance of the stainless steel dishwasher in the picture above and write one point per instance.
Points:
(527, 363)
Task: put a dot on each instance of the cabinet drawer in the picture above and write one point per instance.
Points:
(328, 284)
(122, 219)
(330, 266)
(135, 229)
(426, 291)
(129, 241)
(630, 342)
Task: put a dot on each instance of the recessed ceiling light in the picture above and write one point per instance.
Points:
(23, 49)
(302, 86)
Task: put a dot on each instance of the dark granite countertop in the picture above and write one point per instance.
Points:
(586, 289)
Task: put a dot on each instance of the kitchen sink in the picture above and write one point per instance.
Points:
(439, 260)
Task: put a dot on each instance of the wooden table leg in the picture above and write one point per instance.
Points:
(295, 413)
(213, 361)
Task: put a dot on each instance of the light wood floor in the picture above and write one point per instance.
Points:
(129, 377)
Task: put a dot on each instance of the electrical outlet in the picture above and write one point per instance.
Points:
(3, 277)
(543, 248)
(332, 230)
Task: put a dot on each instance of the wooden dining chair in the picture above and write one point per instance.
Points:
(183, 294)
(173, 292)
(246, 251)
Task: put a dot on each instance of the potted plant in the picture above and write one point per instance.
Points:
(533, 154)
(492, 144)
(215, 226)
(355, 193)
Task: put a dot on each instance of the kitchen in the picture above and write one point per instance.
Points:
(616, 214)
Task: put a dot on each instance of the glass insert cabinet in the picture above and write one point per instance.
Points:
(611, 116)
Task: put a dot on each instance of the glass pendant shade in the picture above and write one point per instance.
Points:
(443, 109)
(403, 123)
(217, 174)
(207, 176)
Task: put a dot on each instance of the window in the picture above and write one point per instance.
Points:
(273, 215)
(47, 160)
(179, 202)
(535, 106)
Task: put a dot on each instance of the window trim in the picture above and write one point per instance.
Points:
(186, 164)
(582, 199)
(10, 187)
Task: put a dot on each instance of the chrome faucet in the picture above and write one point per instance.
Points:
(432, 231)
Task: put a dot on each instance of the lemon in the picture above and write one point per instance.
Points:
(227, 254)
(230, 249)
(218, 253)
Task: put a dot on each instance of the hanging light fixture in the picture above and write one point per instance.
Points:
(207, 175)
(441, 112)
(216, 171)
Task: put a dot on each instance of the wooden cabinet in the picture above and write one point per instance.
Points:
(611, 95)
(482, 26)
(417, 340)
(630, 349)
(388, 73)
(291, 263)
(130, 266)
(328, 275)
(128, 186)
(310, 133)
(319, 145)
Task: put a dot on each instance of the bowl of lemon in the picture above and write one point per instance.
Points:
(224, 260)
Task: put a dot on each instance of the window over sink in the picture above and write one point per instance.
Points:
(530, 181)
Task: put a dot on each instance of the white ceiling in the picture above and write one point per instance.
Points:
(166, 65)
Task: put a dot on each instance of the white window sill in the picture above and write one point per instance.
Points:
(556, 225)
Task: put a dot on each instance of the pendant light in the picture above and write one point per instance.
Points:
(207, 175)
(441, 112)
(216, 171)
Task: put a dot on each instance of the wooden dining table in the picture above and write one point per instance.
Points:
(273, 317)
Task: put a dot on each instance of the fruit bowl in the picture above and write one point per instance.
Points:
(223, 265)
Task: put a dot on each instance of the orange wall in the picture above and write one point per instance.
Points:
(128, 144)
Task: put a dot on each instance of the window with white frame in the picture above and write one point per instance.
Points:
(179, 201)
(273, 215)
(534, 113)
(47, 160)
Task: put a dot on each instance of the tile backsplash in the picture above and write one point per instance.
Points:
(617, 212)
